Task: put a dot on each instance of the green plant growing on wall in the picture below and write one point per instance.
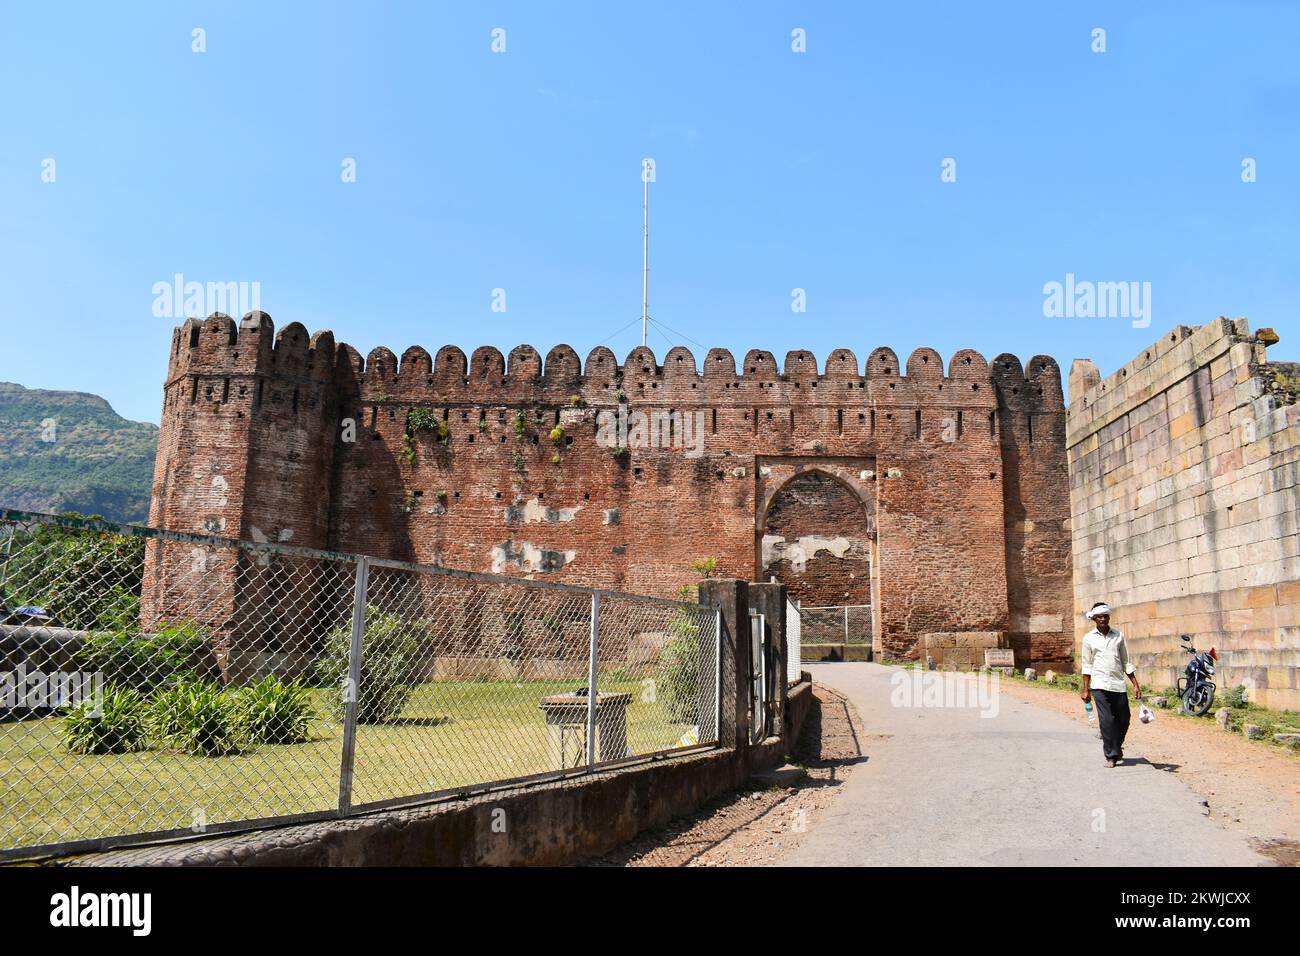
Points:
(620, 397)
(441, 495)
(482, 426)
(619, 454)
(520, 464)
(422, 420)
(557, 434)
(577, 401)
(521, 425)
(705, 567)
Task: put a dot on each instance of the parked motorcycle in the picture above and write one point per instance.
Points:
(1195, 687)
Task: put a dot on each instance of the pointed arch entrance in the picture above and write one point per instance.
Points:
(816, 532)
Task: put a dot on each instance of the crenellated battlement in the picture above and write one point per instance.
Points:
(216, 347)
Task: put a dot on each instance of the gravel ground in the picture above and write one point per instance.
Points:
(759, 825)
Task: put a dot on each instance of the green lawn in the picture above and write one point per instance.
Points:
(451, 734)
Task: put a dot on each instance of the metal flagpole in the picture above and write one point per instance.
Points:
(645, 251)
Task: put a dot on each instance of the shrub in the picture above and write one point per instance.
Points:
(390, 652)
(146, 662)
(274, 712)
(557, 434)
(1235, 697)
(199, 718)
(679, 670)
(121, 726)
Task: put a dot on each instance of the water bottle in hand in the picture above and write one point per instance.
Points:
(1087, 709)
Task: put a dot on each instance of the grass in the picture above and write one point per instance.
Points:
(451, 734)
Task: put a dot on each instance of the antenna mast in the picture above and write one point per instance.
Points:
(645, 251)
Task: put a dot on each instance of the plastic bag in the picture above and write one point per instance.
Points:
(1146, 714)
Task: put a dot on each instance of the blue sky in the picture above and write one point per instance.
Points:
(521, 171)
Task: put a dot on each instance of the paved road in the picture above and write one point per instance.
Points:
(943, 786)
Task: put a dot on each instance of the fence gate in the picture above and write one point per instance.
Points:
(760, 710)
(793, 643)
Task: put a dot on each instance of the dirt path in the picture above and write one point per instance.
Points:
(1252, 788)
(760, 825)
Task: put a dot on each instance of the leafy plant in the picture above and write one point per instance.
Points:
(391, 648)
(120, 725)
(199, 718)
(705, 567)
(577, 401)
(274, 712)
(422, 419)
(619, 454)
(557, 434)
(146, 662)
(520, 464)
(86, 578)
(521, 425)
(1235, 697)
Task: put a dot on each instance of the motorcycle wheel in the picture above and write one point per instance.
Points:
(1198, 700)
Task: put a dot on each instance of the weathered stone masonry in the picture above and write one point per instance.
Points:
(941, 499)
(1183, 474)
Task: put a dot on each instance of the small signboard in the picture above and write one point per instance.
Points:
(999, 657)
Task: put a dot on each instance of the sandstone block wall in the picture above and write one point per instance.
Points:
(1183, 470)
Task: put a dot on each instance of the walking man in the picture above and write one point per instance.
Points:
(1104, 664)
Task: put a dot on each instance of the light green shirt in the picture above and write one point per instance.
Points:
(1104, 657)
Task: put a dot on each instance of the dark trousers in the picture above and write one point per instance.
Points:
(1113, 715)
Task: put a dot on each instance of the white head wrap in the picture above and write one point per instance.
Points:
(1098, 609)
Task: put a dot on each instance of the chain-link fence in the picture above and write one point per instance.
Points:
(836, 624)
(158, 683)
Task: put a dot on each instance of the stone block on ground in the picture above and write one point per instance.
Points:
(1031, 674)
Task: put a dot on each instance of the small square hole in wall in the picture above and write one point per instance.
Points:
(498, 494)
(636, 472)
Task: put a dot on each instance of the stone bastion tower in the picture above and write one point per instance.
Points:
(938, 497)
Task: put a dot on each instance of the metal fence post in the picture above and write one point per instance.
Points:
(591, 679)
(352, 689)
(717, 679)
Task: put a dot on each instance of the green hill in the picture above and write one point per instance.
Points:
(98, 463)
